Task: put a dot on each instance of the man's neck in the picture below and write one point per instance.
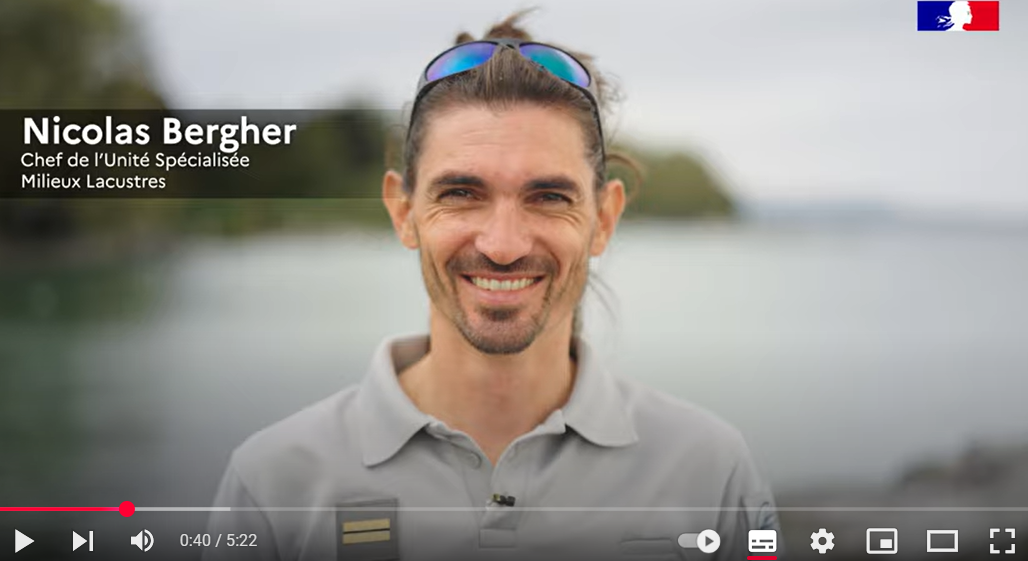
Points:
(492, 398)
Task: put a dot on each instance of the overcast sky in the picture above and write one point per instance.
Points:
(789, 100)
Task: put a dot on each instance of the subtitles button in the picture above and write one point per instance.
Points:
(763, 542)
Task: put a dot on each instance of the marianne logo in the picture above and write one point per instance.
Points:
(957, 16)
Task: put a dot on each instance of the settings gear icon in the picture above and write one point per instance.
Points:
(822, 540)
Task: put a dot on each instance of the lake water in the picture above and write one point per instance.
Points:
(843, 353)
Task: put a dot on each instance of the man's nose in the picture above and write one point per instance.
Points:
(504, 237)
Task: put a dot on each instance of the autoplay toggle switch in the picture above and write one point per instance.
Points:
(706, 541)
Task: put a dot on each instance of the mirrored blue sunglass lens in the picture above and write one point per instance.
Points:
(557, 62)
(459, 59)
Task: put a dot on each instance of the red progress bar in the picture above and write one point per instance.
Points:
(126, 508)
(762, 558)
(56, 508)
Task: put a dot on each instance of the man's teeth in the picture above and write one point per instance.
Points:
(493, 284)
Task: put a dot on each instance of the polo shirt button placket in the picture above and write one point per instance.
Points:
(500, 524)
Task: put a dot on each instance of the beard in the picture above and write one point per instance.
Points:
(500, 330)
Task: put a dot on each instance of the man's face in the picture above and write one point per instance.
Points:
(506, 216)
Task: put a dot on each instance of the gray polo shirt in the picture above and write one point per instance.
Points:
(619, 472)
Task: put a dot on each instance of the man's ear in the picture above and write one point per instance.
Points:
(398, 203)
(611, 205)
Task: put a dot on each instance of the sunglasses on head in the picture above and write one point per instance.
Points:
(471, 55)
(467, 56)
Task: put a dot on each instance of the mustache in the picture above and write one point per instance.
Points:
(531, 265)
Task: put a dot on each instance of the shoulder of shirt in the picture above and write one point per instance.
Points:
(299, 446)
(673, 422)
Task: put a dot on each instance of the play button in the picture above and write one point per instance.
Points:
(708, 541)
(21, 541)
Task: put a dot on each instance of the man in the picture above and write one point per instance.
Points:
(498, 434)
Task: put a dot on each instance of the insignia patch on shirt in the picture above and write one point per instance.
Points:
(366, 531)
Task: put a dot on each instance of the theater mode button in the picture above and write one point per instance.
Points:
(706, 541)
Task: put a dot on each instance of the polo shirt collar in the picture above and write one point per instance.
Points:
(388, 419)
(596, 409)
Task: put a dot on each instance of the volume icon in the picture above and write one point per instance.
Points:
(143, 540)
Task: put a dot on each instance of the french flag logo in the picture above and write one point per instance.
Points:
(957, 16)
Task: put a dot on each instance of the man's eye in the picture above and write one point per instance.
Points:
(553, 198)
(457, 194)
